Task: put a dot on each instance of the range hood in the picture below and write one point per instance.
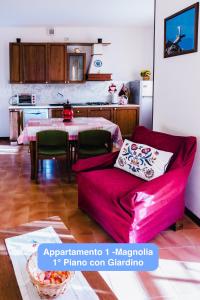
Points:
(97, 69)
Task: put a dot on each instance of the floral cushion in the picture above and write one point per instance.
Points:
(142, 160)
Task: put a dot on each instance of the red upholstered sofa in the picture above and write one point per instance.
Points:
(127, 207)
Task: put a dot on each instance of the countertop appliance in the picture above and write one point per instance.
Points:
(23, 99)
(34, 113)
(142, 94)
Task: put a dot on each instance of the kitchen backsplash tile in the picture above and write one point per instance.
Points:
(75, 93)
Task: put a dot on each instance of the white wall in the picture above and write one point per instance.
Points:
(131, 50)
(177, 94)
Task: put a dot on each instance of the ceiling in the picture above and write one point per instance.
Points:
(76, 13)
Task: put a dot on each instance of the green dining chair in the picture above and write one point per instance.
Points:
(93, 142)
(52, 144)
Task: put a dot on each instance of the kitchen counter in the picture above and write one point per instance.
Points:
(76, 106)
(125, 116)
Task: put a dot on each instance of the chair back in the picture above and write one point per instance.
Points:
(184, 148)
(95, 138)
(52, 138)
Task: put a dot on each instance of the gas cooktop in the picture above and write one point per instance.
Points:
(97, 103)
(62, 104)
(81, 104)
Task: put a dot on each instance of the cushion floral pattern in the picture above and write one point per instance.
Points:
(142, 160)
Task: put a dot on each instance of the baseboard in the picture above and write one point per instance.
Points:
(192, 216)
(4, 138)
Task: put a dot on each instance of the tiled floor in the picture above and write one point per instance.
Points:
(21, 201)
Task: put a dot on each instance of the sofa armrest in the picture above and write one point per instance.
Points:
(152, 195)
(95, 163)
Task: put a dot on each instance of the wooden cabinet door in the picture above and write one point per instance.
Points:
(127, 119)
(80, 112)
(34, 62)
(100, 112)
(14, 124)
(56, 113)
(57, 63)
(15, 63)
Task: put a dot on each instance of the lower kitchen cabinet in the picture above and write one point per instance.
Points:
(56, 113)
(101, 112)
(15, 116)
(127, 119)
(80, 112)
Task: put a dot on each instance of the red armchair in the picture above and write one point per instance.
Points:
(127, 207)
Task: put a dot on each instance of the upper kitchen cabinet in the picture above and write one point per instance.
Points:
(37, 63)
(76, 67)
(34, 63)
(51, 63)
(56, 54)
(28, 63)
(15, 63)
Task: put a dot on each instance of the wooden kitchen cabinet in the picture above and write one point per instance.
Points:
(46, 63)
(101, 112)
(56, 112)
(76, 67)
(28, 63)
(37, 63)
(80, 112)
(34, 63)
(127, 119)
(56, 62)
(15, 63)
(50, 63)
(15, 116)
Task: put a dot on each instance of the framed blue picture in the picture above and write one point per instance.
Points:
(181, 32)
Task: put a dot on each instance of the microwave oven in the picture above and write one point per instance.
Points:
(24, 99)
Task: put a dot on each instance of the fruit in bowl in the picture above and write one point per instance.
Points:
(49, 284)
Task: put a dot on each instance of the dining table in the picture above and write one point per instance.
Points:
(78, 124)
